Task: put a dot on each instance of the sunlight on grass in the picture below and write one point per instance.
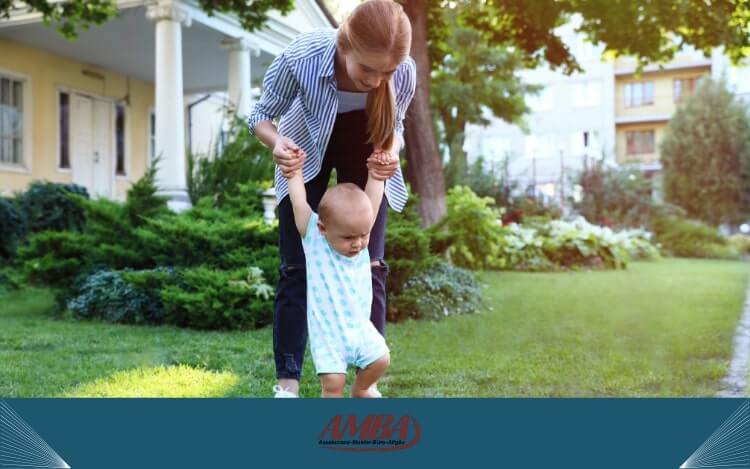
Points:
(172, 381)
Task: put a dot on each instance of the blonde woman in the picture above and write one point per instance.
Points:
(341, 97)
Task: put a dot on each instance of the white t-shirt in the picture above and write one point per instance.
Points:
(351, 101)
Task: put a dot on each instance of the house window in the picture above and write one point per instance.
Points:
(120, 138)
(64, 131)
(11, 121)
(684, 87)
(151, 137)
(640, 93)
(639, 142)
(586, 94)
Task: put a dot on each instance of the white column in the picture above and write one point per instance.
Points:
(239, 74)
(171, 177)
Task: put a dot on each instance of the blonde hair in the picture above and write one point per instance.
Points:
(380, 27)
(346, 193)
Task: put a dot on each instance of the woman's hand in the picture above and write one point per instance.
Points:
(288, 156)
(382, 164)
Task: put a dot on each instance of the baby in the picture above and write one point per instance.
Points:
(339, 283)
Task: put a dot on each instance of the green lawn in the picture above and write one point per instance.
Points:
(657, 329)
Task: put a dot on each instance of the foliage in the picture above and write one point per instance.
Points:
(437, 292)
(68, 16)
(142, 200)
(106, 295)
(579, 243)
(242, 160)
(691, 238)
(215, 299)
(12, 228)
(469, 234)
(706, 156)
(52, 206)
(619, 197)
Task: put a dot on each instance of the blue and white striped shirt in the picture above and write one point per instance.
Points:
(300, 87)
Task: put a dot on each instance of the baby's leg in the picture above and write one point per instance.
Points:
(368, 376)
(332, 384)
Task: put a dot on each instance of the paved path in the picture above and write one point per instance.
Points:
(735, 383)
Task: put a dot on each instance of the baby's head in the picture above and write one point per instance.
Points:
(345, 218)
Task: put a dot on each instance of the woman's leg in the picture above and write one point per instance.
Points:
(290, 306)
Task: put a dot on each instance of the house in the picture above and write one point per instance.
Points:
(95, 111)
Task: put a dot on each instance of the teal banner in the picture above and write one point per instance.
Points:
(246, 433)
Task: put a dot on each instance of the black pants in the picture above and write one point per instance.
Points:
(347, 152)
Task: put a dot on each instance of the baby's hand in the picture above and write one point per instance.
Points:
(297, 154)
(382, 164)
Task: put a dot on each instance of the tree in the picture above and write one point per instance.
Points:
(651, 31)
(73, 15)
(471, 83)
(705, 154)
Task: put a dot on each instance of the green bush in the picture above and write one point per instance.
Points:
(242, 160)
(439, 291)
(214, 299)
(106, 295)
(740, 243)
(10, 279)
(407, 248)
(581, 244)
(56, 258)
(12, 228)
(51, 206)
(142, 201)
(470, 233)
(183, 241)
(688, 238)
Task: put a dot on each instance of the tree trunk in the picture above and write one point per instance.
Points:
(425, 169)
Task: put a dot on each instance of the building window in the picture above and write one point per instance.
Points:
(639, 142)
(586, 94)
(120, 138)
(684, 87)
(11, 121)
(640, 93)
(64, 131)
(151, 137)
(542, 101)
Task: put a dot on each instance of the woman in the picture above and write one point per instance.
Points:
(341, 96)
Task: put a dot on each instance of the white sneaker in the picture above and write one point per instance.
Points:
(374, 391)
(278, 391)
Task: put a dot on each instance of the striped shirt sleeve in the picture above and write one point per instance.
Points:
(405, 89)
(280, 87)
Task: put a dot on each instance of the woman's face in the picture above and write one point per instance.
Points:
(368, 71)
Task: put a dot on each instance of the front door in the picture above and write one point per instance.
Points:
(91, 145)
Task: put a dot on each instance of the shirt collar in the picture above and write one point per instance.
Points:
(327, 70)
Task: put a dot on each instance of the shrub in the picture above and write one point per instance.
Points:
(407, 248)
(688, 238)
(142, 201)
(740, 243)
(470, 233)
(106, 295)
(439, 291)
(243, 159)
(51, 206)
(12, 228)
(213, 299)
(56, 258)
(579, 243)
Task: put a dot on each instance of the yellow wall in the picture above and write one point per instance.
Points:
(621, 145)
(663, 91)
(48, 73)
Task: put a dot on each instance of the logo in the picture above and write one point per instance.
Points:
(371, 433)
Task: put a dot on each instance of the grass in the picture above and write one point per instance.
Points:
(657, 329)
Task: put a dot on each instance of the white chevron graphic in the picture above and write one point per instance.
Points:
(728, 446)
(21, 446)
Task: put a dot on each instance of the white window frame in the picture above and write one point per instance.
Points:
(26, 89)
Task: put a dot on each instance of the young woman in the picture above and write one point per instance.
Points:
(341, 97)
